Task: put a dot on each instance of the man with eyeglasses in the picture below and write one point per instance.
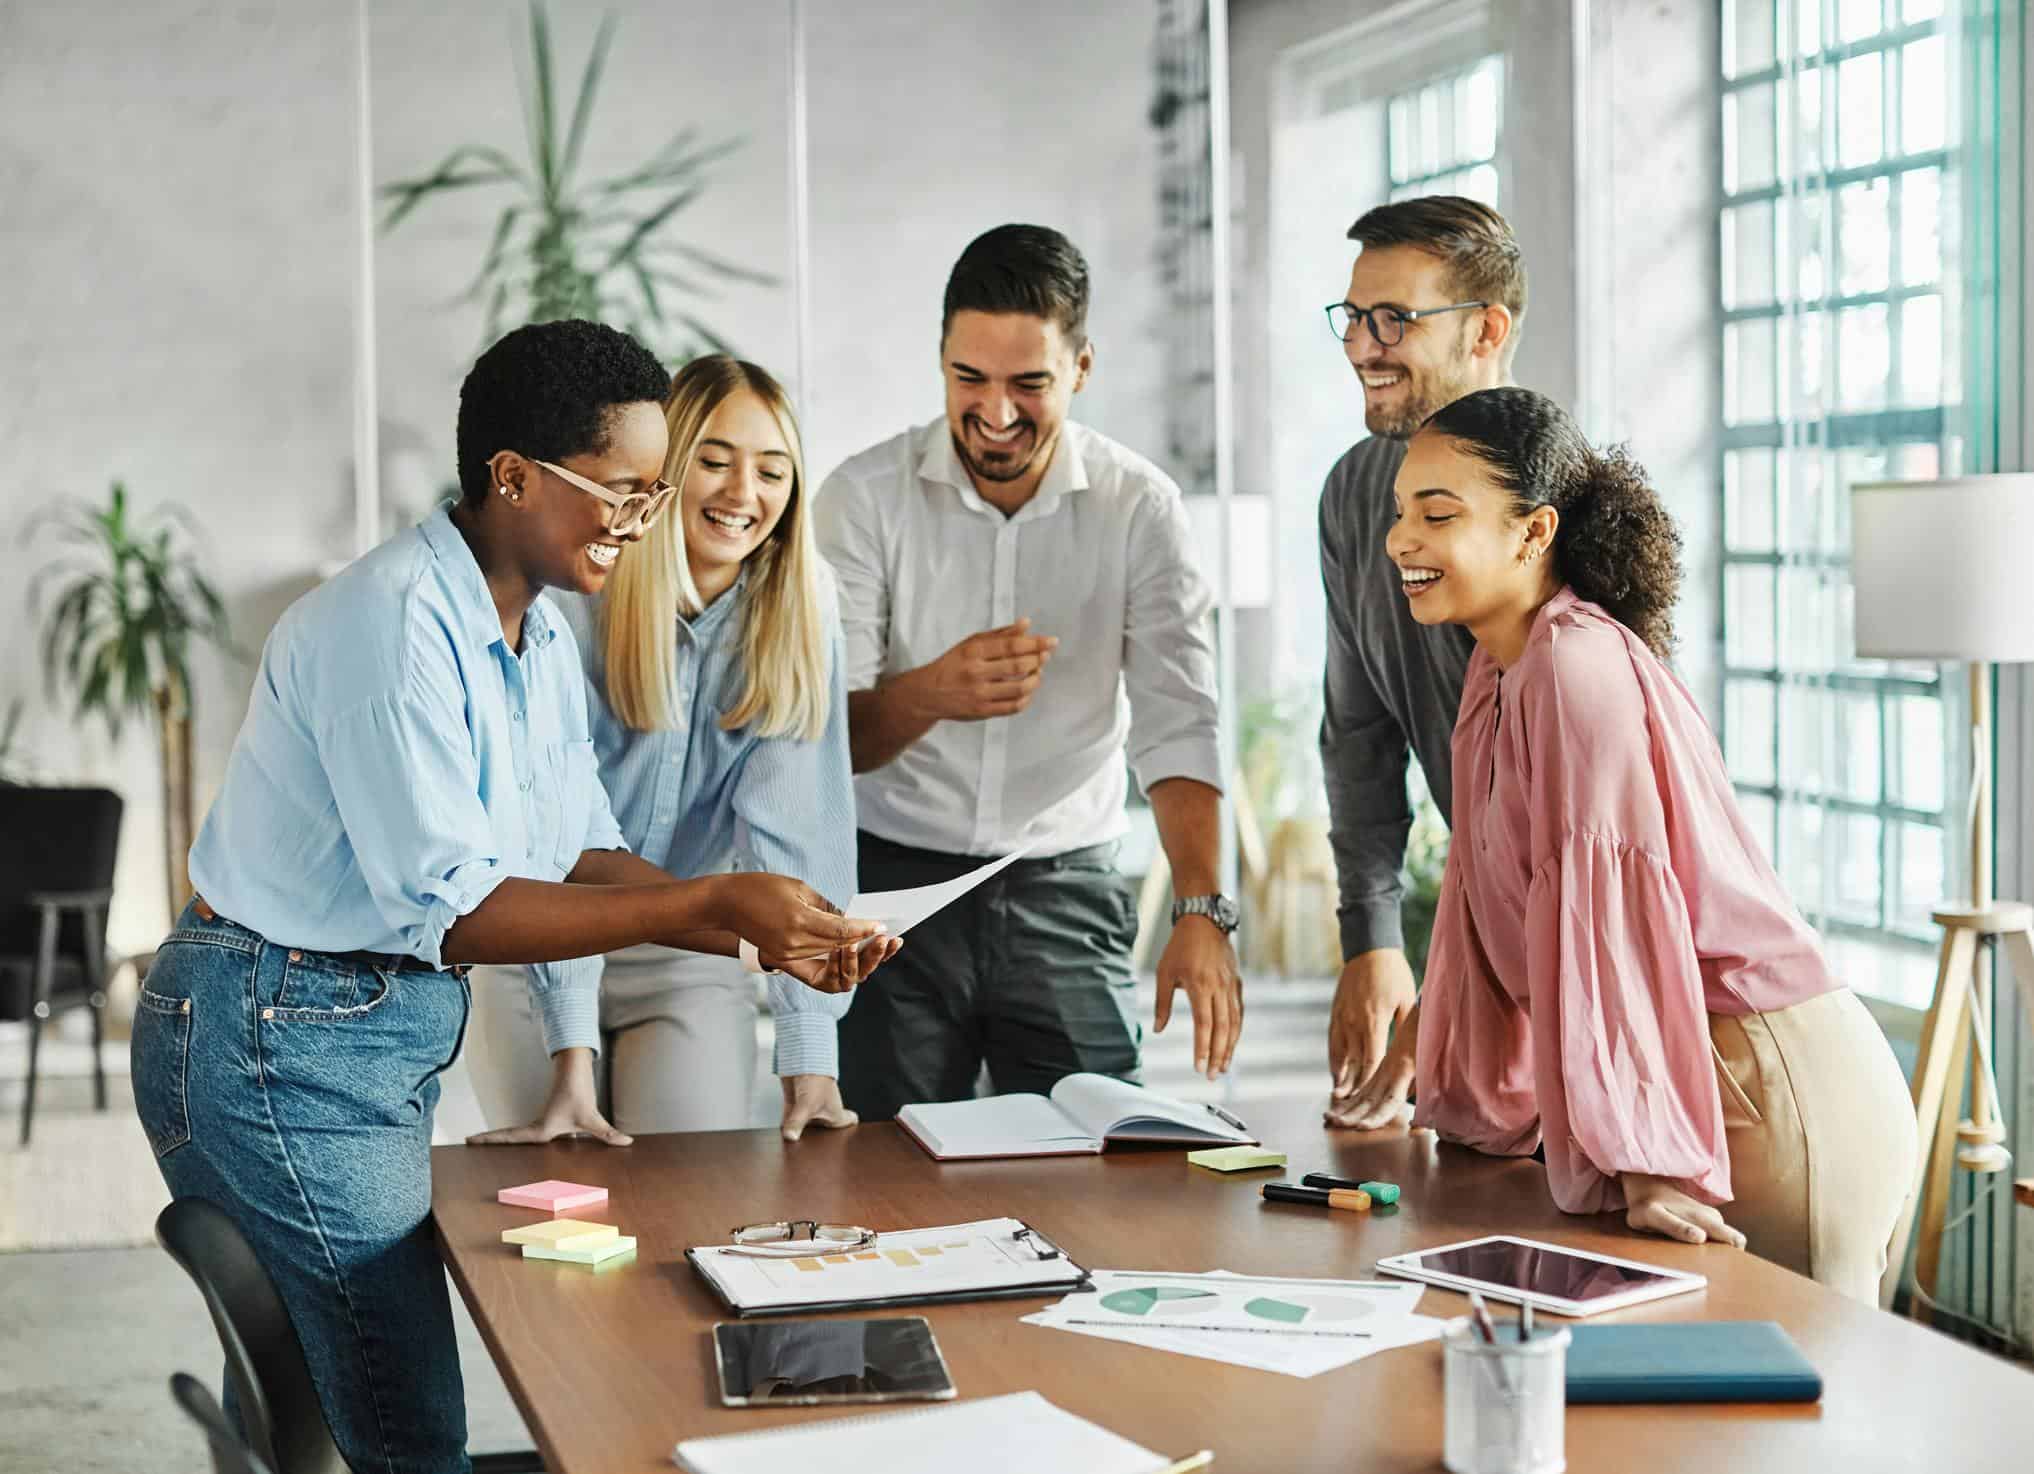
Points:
(1432, 314)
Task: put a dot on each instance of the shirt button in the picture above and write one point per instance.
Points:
(296, 956)
(526, 785)
(515, 716)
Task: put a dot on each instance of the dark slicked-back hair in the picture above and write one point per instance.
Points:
(549, 391)
(1021, 268)
(1474, 241)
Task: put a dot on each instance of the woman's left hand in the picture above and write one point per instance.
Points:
(813, 1100)
(1658, 1205)
(571, 1110)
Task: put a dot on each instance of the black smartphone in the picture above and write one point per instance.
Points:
(789, 1363)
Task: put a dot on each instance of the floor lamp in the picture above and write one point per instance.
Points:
(1940, 573)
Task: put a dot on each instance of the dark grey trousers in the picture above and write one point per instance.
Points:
(1028, 973)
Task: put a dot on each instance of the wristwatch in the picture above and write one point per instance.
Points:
(1218, 909)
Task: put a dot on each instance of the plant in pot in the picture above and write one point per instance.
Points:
(129, 608)
(567, 246)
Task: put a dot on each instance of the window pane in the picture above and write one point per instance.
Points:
(1748, 139)
(1748, 371)
(1748, 732)
(1805, 522)
(1807, 27)
(1432, 147)
(1807, 245)
(1801, 856)
(1914, 10)
(1921, 226)
(1860, 110)
(1924, 877)
(1864, 237)
(1922, 765)
(1476, 120)
(1924, 96)
(1759, 814)
(1403, 131)
(1807, 145)
(1857, 745)
(1479, 183)
(1748, 255)
(1807, 361)
(1749, 46)
(1807, 626)
(1864, 357)
(1921, 350)
(1858, 838)
(1748, 617)
(1855, 19)
(1748, 501)
(1917, 461)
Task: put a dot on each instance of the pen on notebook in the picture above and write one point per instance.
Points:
(1190, 1463)
(1232, 1120)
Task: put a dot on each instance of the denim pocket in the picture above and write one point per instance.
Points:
(161, 1066)
(319, 987)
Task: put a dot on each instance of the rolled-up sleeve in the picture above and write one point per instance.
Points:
(407, 786)
(796, 801)
(843, 517)
(1168, 655)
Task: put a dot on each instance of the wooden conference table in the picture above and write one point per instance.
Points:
(611, 1370)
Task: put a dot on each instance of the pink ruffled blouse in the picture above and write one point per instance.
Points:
(1602, 898)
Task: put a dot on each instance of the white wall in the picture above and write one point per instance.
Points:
(932, 121)
(175, 312)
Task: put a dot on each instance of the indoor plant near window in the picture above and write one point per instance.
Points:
(566, 246)
(129, 608)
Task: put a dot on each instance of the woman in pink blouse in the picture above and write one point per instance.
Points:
(1616, 972)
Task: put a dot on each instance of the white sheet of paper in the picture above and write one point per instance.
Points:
(899, 911)
(1290, 1356)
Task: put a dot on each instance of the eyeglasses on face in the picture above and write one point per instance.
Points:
(1387, 324)
(631, 511)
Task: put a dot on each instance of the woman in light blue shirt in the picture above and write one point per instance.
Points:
(723, 749)
(414, 791)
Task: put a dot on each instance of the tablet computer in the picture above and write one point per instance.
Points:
(1571, 1282)
(797, 1363)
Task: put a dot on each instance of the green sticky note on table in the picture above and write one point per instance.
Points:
(1236, 1158)
(598, 1254)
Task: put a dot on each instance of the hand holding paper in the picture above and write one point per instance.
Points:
(899, 911)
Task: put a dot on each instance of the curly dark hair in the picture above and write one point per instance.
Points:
(1616, 544)
(548, 391)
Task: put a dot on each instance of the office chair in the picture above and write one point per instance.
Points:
(229, 1454)
(264, 1359)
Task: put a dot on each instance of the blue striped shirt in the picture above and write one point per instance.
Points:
(700, 800)
(398, 762)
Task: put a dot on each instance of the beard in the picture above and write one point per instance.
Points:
(1427, 392)
(1001, 465)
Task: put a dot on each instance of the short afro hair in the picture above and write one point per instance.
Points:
(549, 391)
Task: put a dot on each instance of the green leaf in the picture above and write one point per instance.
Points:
(651, 222)
(543, 137)
(718, 265)
(589, 89)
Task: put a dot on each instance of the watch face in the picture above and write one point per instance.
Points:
(1227, 914)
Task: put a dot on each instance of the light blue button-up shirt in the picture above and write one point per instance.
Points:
(399, 761)
(699, 800)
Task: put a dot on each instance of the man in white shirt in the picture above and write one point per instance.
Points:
(1020, 603)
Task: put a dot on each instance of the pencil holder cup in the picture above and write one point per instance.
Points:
(1506, 1400)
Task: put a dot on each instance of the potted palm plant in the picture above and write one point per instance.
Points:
(564, 245)
(129, 609)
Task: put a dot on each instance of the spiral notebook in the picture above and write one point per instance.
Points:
(1018, 1433)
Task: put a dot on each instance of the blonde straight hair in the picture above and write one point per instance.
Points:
(785, 658)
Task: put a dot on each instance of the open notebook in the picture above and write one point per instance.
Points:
(1082, 1114)
(1019, 1433)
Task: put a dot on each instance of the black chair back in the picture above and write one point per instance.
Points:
(229, 1454)
(53, 839)
(265, 1363)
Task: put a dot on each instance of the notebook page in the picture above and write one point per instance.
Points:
(1019, 1433)
(999, 1125)
(1106, 1106)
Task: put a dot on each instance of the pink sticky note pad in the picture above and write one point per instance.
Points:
(553, 1197)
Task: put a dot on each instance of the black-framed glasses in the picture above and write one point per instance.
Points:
(1386, 324)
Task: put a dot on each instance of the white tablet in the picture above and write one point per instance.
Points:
(1571, 1282)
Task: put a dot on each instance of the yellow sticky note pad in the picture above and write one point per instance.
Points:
(599, 1254)
(1236, 1158)
(561, 1233)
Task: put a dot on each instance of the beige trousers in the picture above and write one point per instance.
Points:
(1822, 1138)
(679, 1031)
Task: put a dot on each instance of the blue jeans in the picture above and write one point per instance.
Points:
(295, 1090)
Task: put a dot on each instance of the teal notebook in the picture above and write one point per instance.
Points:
(1691, 1361)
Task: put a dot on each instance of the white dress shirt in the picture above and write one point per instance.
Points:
(1101, 556)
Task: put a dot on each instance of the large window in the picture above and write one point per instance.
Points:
(1441, 137)
(1835, 372)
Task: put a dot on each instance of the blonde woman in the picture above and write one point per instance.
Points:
(716, 698)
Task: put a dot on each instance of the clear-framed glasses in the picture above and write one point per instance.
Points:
(797, 1238)
(1386, 324)
(632, 511)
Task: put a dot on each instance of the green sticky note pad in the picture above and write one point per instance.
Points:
(1236, 1158)
(596, 1255)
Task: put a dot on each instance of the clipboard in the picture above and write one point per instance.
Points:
(994, 1259)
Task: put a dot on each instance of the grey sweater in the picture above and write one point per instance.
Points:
(1392, 686)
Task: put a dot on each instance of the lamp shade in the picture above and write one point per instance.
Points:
(1944, 570)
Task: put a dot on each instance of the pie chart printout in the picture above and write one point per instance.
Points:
(1298, 1309)
(1160, 1300)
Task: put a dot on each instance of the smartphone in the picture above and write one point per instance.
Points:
(795, 1363)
